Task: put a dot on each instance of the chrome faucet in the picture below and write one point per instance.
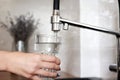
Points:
(57, 20)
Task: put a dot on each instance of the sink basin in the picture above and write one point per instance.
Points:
(79, 79)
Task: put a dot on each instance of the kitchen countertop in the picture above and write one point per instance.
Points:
(6, 75)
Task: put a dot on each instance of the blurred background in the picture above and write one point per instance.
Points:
(83, 53)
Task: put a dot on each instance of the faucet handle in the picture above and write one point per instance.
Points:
(113, 67)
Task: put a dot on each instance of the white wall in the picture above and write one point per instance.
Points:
(98, 50)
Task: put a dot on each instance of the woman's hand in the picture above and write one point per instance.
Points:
(30, 65)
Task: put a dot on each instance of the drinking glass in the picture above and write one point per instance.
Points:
(47, 44)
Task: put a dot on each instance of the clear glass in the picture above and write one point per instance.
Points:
(47, 44)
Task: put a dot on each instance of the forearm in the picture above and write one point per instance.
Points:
(3, 60)
(28, 65)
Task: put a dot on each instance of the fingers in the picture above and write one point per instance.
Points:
(49, 58)
(35, 78)
(48, 65)
(46, 73)
(44, 65)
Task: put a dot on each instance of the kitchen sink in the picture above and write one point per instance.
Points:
(79, 79)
